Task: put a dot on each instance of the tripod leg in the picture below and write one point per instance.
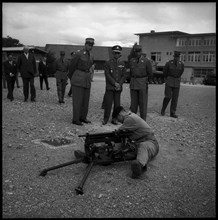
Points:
(44, 172)
(79, 189)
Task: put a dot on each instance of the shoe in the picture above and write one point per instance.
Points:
(62, 102)
(77, 123)
(12, 99)
(18, 86)
(173, 116)
(114, 121)
(162, 113)
(48, 88)
(25, 100)
(85, 121)
(79, 154)
(33, 100)
(136, 168)
(104, 122)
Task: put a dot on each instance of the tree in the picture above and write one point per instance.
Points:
(10, 42)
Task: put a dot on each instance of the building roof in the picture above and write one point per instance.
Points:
(19, 49)
(175, 34)
(100, 53)
(162, 33)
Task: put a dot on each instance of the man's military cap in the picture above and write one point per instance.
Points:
(62, 52)
(176, 53)
(138, 48)
(90, 40)
(117, 48)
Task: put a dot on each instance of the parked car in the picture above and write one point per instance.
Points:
(210, 79)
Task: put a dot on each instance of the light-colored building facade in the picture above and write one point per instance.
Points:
(198, 51)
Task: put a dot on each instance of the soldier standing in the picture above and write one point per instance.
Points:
(140, 70)
(115, 75)
(172, 71)
(80, 76)
(62, 67)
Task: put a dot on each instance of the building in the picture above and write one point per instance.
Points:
(198, 51)
(100, 53)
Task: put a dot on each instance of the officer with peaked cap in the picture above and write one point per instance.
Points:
(172, 72)
(80, 75)
(62, 68)
(115, 76)
(140, 70)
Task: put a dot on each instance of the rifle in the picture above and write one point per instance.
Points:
(100, 149)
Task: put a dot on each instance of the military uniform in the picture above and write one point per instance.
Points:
(62, 68)
(140, 70)
(115, 72)
(172, 72)
(80, 76)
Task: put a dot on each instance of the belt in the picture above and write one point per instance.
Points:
(62, 71)
(84, 70)
(139, 76)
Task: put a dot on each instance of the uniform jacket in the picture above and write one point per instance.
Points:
(79, 71)
(43, 69)
(140, 70)
(10, 68)
(26, 67)
(62, 68)
(173, 72)
(115, 72)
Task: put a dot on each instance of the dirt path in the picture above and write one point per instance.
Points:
(180, 182)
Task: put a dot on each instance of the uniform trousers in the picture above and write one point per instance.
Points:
(110, 97)
(80, 98)
(61, 88)
(139, 98)
(26, 83)
(145, 152)
(10, 85)
(171, 93)
(41, 79)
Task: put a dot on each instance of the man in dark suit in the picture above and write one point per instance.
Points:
(26, 64)
(80, 75)
(172, 72)
(10, 69)
(43, 72)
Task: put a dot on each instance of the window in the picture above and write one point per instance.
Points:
(182, 57)
(194, 57)
(202, 72)
(157, 56)
(209, 56)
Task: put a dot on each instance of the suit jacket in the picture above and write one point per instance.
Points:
(26, 67)
(8, 68)
(43, 69)
(173, 73)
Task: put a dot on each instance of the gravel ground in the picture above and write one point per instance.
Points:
(180, 182)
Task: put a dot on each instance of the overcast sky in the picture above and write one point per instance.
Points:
(109, 23)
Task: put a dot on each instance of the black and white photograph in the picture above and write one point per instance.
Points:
(108, 110)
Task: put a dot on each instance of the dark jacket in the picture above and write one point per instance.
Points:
(43, 69)
(8, 68)
(173, 73)
(79, 71)
(26, 67)
(62, 68)
(115, 72)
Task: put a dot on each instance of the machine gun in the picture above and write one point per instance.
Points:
(100, 148)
